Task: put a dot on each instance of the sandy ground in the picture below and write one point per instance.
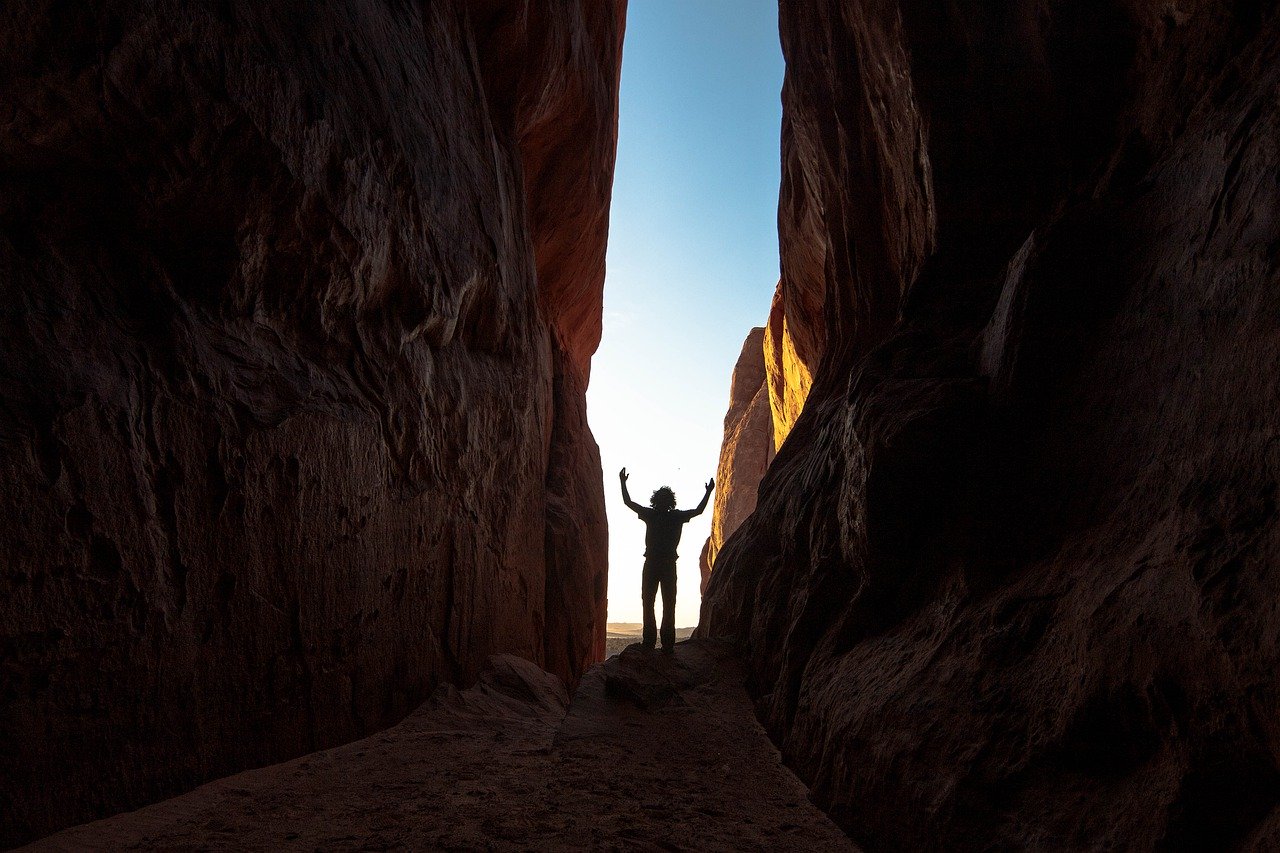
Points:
(656, 752)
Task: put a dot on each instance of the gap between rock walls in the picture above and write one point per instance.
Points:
(301, 311)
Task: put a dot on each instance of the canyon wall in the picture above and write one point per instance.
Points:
(746, 451)
(1013, 577)
(299, 306)
(788, 368)
(770, 384)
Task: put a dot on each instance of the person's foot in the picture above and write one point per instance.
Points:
(668, 650)
(648, 647)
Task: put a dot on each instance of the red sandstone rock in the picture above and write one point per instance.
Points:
(788, 374)
(299, 307)
(1011, 582)
(746, 451)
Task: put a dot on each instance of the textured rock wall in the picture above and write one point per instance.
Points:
(1012, 578)
(298, 308)
(746, 451)
(788, 372)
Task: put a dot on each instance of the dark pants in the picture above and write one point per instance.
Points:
(659, 572)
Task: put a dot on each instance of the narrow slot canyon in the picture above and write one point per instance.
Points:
(304, 522)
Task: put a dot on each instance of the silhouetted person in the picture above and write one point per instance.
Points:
(663, 526)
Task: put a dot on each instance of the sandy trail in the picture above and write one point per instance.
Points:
(655, 753)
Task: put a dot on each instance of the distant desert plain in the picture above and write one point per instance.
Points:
(619, 635)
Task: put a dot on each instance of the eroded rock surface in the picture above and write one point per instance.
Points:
(1012, 579)
(788, 372)
(299, 303)
(746, 451)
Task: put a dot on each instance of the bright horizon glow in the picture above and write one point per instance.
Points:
(692, 263)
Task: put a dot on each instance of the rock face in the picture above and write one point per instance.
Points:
(789, 372)
(1012, 579)
(746, 451)
(299, 304)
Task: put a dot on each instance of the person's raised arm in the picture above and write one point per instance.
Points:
(711, 484)
(626, 496)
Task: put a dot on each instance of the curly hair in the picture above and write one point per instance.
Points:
(663, 498)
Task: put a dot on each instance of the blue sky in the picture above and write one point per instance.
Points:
(692, 264)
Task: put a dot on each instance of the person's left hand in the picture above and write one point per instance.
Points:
(711, 484)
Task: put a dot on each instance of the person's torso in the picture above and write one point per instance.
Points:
(662, 533)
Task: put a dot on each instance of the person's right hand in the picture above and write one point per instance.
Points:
(622, 475)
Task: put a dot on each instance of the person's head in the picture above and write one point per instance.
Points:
(663, 498)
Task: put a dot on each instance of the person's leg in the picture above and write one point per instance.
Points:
(669, 608)
(648, 592)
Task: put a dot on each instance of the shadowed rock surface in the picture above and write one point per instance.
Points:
(501, 767)
(1014, 577)
(299, 303)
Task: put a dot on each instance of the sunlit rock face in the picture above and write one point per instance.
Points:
(1012, 579)
(299, 303)
(789, 372)
(746, 451)
(770, 384)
